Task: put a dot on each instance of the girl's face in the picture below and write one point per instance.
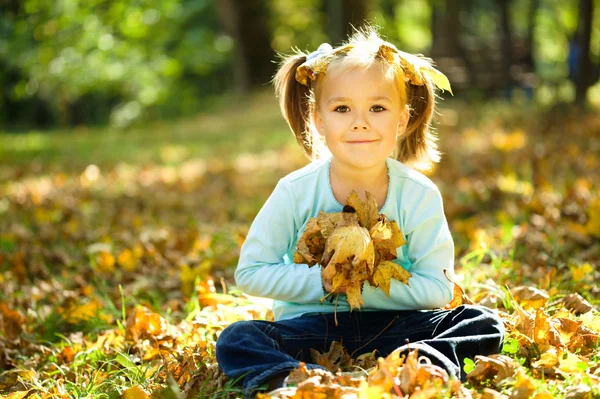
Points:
(360, 113)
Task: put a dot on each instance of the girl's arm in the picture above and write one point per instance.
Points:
(261, 270)
(430, 251)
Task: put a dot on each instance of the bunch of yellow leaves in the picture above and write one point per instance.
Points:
(352, 247)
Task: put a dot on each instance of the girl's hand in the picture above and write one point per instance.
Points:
(328, 285)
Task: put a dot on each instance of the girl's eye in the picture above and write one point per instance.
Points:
(342, 109)
(377, 108)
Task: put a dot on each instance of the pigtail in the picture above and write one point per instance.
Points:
(295, 100)
(418, 146)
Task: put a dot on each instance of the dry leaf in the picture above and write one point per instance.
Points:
(495, 368)
(459, 297)
(386, 271)
(530, 296)
(523, 388)
(337, 358)
(577, 304)
(368, 212)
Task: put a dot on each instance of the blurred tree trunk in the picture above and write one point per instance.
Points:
(342, 15)
(586, 74)
(445, 27)
(446, 47)
(530, 39)
(506, 41)
(246, 21)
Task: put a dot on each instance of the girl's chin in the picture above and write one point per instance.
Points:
(360, 161)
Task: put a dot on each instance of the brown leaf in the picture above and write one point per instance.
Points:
(577, 304)
(525, 321)
(386, 239)
(544, 333)
(310, 245)
(368, 212)
(495, 368)
(143, 323)
(337, 358)
(11, 322)
(328, 222)
(530, 296)
(387, 270)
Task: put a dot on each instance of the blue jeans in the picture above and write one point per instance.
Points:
(260, 350)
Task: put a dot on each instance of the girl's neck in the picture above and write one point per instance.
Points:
(345, 179)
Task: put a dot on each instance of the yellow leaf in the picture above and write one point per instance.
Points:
(548, 360)
(397, 235)
(387, 270)
(127, 260)
(368, 212)
(439, 79)
(580, 272)
(15, 395)
(524, 387)
(105, 262)
(351, 243)
(591, 320)
(353, 294)
(569, 363)
(372, 392)
(134, 393)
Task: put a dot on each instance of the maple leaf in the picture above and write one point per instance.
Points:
(494, 368)
(386, 238)
(368, 213)
(337, 358)
(386, 271)
(310, 246)
(350, 244)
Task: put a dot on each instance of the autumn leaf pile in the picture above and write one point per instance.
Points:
(352, 247)
(116, 280)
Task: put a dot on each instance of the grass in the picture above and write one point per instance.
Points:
(240, 125)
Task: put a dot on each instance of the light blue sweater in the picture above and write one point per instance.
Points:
(265, 267)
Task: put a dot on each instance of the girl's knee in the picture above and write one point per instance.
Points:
(483, 316)
(234, 333)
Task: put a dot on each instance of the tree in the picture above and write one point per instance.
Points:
(342, 15)
(582, 71)
(247, 23)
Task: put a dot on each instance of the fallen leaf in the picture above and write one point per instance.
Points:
(135, 393)
(577, 304)
(337, 358)
(495, 368)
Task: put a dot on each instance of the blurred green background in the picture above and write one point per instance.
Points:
(76, 63)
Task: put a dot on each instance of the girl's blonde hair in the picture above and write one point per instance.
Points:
(416, 147)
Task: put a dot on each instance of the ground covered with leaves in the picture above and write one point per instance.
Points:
(117, 275)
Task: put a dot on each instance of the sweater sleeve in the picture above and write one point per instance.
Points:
(261, 270)
(430, 251)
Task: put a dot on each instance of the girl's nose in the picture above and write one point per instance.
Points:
(360, 124)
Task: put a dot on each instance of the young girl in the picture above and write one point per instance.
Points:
(351, 108)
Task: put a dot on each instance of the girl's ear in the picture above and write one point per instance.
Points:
(403, 120)
(318, 122)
